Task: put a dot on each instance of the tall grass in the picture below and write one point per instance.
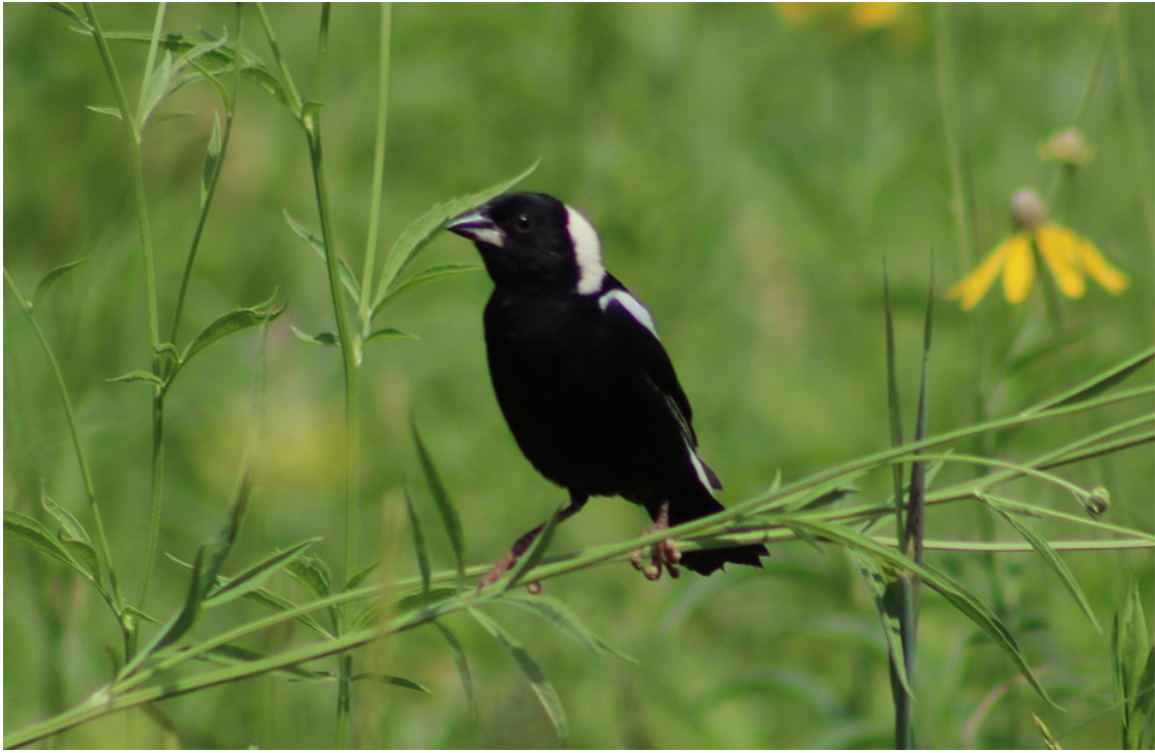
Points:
(274, 607)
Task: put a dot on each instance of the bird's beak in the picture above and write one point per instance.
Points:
(477, 226)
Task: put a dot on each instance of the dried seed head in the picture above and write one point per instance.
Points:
(1028, 210)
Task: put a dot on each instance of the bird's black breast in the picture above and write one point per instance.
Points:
(578, 400)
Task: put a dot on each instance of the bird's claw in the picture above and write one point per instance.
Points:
(663, 554)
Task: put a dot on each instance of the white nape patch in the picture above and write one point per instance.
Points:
(587, 250)
(703, 477)
(483, 231)
(631, 305)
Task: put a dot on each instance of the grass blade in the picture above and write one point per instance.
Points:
(462, 664)
(256, 575)
(418, 540)
(444, 502)
(1097, 384)
(561, 617)
(1050, 556)
(541, 685)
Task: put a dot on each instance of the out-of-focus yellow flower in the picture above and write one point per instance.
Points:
(1067, 147)
(1070, 257)
(899, 19)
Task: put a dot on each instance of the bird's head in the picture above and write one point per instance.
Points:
(532, 240)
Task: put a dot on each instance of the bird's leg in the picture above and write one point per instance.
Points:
(522, 545)
(663, 552)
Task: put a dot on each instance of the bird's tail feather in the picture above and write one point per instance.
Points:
(699, 504)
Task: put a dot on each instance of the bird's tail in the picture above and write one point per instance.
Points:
(698, 504)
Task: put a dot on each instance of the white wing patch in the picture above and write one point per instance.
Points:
(632, 305)
(699, 469)
(587, 251)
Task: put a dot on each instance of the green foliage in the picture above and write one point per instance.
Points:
(750, 219)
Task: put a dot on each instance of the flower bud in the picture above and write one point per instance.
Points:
(1067, 147)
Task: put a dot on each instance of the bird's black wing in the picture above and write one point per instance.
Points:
(633, 328)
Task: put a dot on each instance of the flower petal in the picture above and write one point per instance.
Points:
(1113, 280)
(1058, 245)
(1020, 272)
(974, 286)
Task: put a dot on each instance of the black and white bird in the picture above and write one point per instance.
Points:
(582, 378)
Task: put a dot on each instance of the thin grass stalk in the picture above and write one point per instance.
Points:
(104, 558)
(364, 305)
(1136, 127)
(210, 189)
(133, 130)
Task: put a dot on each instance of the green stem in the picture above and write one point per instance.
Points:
(948, 101)
(364, 308)
(210, 189)
(108, 571)
(134, 134)
(286, 77)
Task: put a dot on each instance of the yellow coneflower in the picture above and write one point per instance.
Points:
(1070, 257)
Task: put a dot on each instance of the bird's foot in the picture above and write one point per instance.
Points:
(663, 554)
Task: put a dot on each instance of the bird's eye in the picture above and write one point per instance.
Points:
(523, 224)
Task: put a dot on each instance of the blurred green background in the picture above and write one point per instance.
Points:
(747, 168)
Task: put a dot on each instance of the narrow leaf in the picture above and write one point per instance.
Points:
(537, 680)
(348, 279)
(139, 376)
(256, 575)
(955, 593)
(394, 680)
(70, 527)
(386, 335)
(312, 573)
(1050, 556)
(361, 575)
(881, 584)
(421, 279)
(68, 11)
(445, 504)
(1096, 384)
(234, 321)
(321, 338)
(418, 540)
(462, 664)
(536, 550)
(113, 112)
(212, 160)
(561, 617)
(52, 277)
(30, 531)
(422, 230)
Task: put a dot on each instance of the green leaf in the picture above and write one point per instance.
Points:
(30, 531)
(536, 550)
(322, 338)
(312, 573)
(537, 680)
(348, 279)
(212, 160)
(229, 655)
(255, 575)
(387, 335)
(360, 576)
(559, 615)
(139, 376)
(959, 597)
(462, 664)
(418, 540)
(1049, 555)
(234, 321)
(881, 582)
(112, 112)
(394, 680)
(422, 600)
(1133, 664)
(68, 11)
(1097, 384)
(421, 279)
(422, 230)
(50, 279)
(445, 504)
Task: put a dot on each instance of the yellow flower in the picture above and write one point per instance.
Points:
(1070, 257)
(856, 18)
